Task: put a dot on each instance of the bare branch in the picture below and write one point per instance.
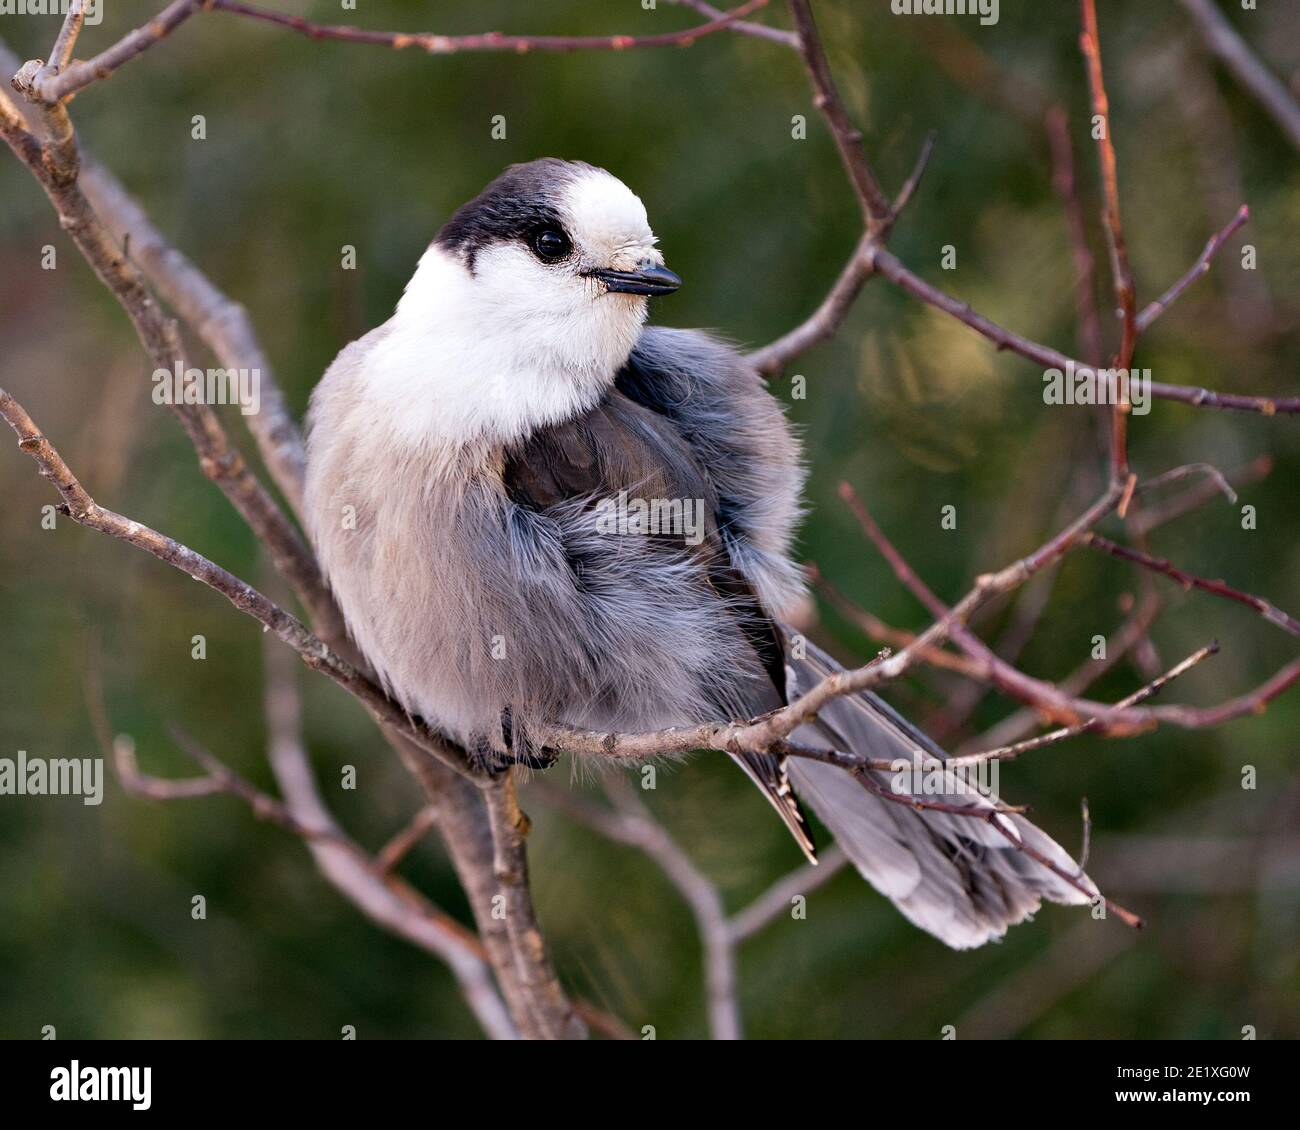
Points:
(81, 508)
(219, 459)
(825, 321)
(397, 849)
(66, 42)
(1153, 310)
(1119, 644)
(886, 263)
(630, 823)
(775, 901)
(1222, 38)
(550, 1014)
(1066, 187)
(743, 27)
(1267, 610)
(79, 75)
(493, 40)
(876, 209)
(1149, 519)
(1253, 702)
(1011, 752)
(54, 88)
(221, 323)
(1125, 293)
(881, 632)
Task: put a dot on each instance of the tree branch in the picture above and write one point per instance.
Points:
(82, 509)
(1264, 608)
(1153, 310)
(550, 1015)
(1121, 272)
(55, 88)
(1231, 50)
(629, 822)
(876, 209)
(388, 901)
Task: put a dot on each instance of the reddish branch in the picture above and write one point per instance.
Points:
(78, 76)
(871, 257)
(1142, 694)
(876, 209)
(1064, 183)
(1269, 611)
(1125, 291)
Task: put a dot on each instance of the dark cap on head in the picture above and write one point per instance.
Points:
(521, 200)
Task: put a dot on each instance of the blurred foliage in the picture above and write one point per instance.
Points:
(313, 146)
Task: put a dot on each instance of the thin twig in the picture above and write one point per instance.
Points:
(1153, 310)
(774, 903)
(743, 27)
(82, 509)
(78, 76)
(876, 209)
(629, 822)
(552, 1016)
(1270, 92)
(1090, 725)
(1152, 517)
(1266, 609)
(1085, 275)
(397, 849)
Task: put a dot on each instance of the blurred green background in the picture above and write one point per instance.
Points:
(313, 146)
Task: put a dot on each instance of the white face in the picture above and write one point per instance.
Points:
(556, 298)
(522, 315)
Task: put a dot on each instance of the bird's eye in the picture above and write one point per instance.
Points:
(551, 244)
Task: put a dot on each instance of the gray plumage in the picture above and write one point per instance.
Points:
(477, 576)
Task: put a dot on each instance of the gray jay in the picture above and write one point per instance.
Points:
(464, 463)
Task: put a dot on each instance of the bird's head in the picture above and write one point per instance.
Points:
(561, 248)
(532, 295)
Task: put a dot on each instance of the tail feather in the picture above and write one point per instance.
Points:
(769, 773)
(960, 878)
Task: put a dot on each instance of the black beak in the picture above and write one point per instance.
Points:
(649, 280)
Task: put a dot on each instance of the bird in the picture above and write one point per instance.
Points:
(535, 509)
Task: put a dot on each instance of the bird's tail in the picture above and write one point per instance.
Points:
(962, 878)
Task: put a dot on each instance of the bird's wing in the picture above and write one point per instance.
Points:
(623, 446)
(739, 432)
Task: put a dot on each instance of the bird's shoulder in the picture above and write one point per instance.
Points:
(618, 445)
